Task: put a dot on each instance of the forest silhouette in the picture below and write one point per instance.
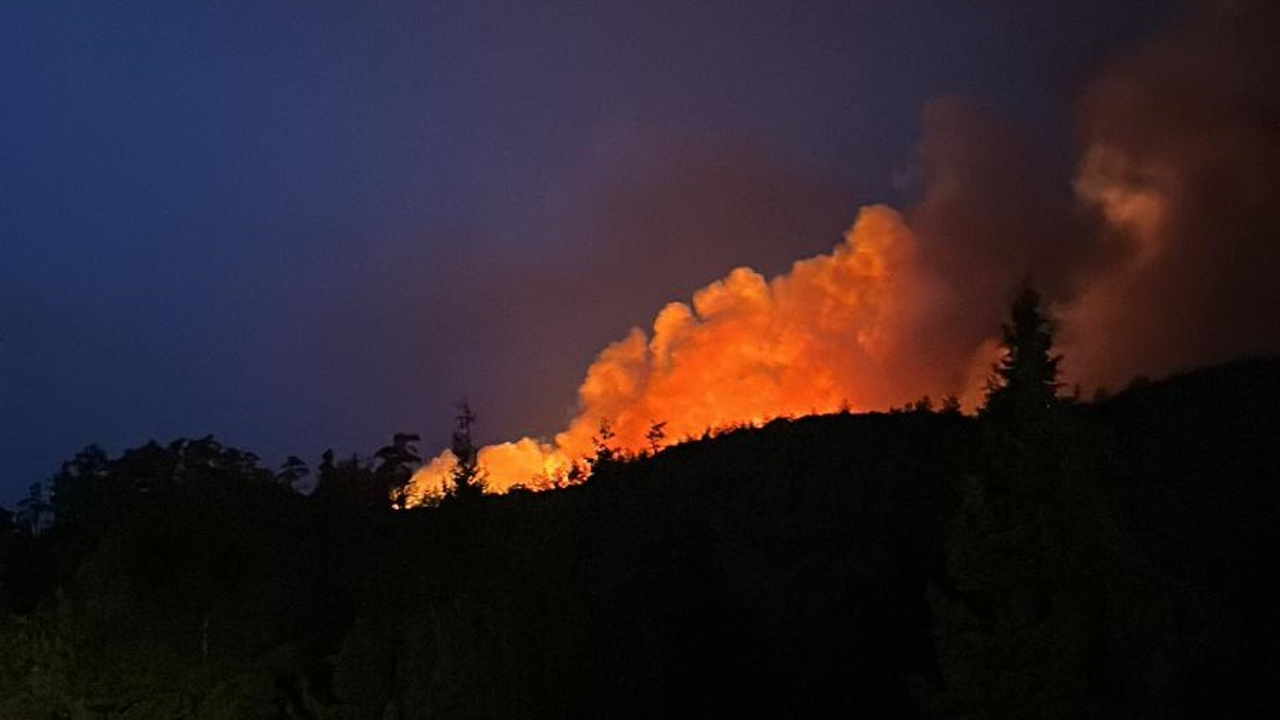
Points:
(1048, 557)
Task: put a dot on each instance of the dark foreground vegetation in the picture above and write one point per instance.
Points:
(1115, 559)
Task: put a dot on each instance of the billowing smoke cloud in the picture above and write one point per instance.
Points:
(831, 332)
(990, 219)
(1164, 255)
(1182, 160)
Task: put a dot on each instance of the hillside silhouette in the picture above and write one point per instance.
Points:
(1115, 558)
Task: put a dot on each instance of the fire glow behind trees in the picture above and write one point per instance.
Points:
(1173, 208)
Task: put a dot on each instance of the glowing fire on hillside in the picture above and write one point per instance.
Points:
(824, 336)
(1164, 257)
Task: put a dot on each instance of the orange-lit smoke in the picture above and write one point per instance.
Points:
(1182, 162)
(1165, 256)
(830, 333)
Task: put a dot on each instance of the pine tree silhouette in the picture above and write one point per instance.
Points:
(468, 477)
(1024, 385)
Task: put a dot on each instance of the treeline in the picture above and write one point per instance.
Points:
(1045, 559)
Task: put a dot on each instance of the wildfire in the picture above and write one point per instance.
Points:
(825, 335)
(1163, 258)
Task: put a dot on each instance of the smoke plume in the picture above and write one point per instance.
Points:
(1165, 254)
(831, 332)
(1182, 161)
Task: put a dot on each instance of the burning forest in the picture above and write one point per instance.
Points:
(1162, 256)
(992, 436)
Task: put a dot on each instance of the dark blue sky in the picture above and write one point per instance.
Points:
(299, 225)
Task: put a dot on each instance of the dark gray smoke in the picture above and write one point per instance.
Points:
(1181, 159)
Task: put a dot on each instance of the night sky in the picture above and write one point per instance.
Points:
(301, 225)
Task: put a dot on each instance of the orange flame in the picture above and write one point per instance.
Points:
(1180, 269)
(825, 335)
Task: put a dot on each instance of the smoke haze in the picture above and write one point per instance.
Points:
(1182, 161)
(1163, 255)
